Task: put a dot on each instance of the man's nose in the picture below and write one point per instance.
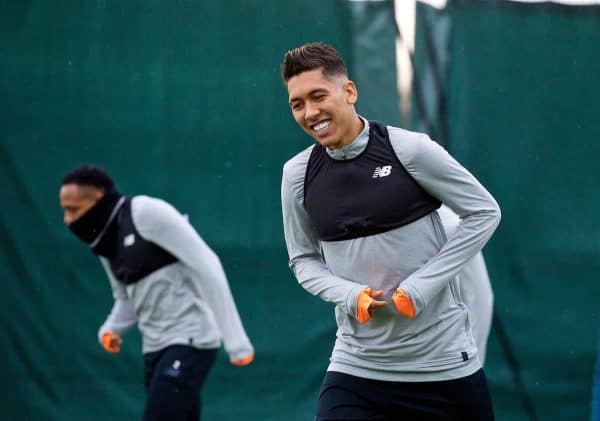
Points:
(311, 111)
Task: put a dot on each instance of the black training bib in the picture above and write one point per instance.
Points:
(135, 257)
(368, 194)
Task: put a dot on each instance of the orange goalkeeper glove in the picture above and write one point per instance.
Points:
(111, 342)
(403, 303)
(243, 361)
(367, 304)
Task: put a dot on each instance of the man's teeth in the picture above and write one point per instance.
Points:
(322, 126)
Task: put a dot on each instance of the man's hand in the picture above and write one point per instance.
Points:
(111, 342)
(367, 304)
(403, 303)
(243, 361)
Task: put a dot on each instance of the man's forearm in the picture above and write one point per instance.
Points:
(314, 276)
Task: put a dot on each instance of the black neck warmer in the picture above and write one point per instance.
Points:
(97, 226)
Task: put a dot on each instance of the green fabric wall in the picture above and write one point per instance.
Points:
(523, 116)
(373, 60)
(180, 100)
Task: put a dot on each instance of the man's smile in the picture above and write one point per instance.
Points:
(321, 128)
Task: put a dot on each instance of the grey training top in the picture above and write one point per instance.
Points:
(475, 288)
(187, 302)
(417, 256)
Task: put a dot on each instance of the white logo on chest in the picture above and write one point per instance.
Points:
(382, 171)
(129, 240)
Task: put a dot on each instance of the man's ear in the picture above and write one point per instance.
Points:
(351, 92)
(99, 193)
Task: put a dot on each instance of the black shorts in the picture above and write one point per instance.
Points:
(345, 397)
(173, 379)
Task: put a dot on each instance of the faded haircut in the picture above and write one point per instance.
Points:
(89, 175)
(312, 56)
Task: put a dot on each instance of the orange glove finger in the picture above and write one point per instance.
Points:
(403, 303)
(375, 294)
(243, 361)
(111, 342)
(362, 307)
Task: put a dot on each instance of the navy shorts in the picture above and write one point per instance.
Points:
(345, 397)
(173, 379)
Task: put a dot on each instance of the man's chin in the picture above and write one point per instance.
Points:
(328, 143)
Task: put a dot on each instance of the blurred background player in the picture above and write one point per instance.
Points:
(362, 232)
(164, 277)
(475, 288)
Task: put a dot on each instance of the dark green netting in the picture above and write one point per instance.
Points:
(181, 100)
(523, 115)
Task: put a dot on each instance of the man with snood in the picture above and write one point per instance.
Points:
(164, 278)
(363, 232)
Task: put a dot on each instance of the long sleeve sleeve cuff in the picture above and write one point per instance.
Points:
(241, 353)
(351, 306)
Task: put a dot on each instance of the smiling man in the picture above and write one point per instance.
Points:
(164, 278)
(363, 233)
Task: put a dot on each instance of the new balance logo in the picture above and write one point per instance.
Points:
(174, 370)
(382, 171)
(129, 240)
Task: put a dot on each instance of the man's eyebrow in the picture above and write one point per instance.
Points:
(310, 93)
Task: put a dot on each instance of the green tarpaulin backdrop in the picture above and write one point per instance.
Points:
(183, 100)
(523, 110)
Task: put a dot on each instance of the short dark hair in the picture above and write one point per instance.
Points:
(312, 56)
(89, 175)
